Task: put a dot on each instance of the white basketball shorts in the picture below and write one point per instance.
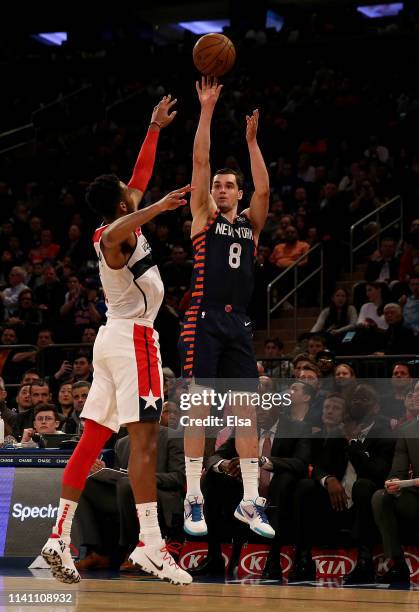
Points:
(127, 377)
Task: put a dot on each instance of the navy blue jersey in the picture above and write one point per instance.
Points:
(224, 263)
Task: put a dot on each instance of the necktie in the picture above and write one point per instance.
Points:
(265, 475)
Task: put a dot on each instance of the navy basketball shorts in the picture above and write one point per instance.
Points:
(216, 347)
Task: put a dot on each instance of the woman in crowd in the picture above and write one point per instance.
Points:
(372, 312)
(339, 317)
(345, 380)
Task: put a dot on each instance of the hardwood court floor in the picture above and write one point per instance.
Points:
(144, 594)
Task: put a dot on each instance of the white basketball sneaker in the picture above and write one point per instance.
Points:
(157, 561)
(58, 556)
(253, 513)
(194, 521)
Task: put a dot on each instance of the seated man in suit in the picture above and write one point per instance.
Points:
(393, 506)
(284, 455)
(106, 514)
(349, 467)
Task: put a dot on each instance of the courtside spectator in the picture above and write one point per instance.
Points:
(46, 421)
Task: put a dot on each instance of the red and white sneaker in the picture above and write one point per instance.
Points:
(58, 556)
(157, 561)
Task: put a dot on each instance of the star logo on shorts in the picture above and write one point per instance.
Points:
(150, 400)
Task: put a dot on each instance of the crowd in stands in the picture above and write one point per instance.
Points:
(339, 141)
(332, 447)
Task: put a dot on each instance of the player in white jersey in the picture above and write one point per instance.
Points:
(127, 383)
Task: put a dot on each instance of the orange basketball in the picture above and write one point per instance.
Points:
(214, 54)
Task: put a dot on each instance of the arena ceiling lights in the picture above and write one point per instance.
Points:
(378, 11)
(51, 38)
(205, 27)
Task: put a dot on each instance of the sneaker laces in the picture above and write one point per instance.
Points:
(196, 510)
(260, 510)
(171, 547)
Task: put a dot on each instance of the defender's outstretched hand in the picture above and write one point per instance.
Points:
(161, 115)
(208, 91)
(175, 198)
(252, 125)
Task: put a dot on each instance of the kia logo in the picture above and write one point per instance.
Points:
(412, 563)
(286, 563)
(411, 560)
(194, 558)
(333, 565)
(254, 563)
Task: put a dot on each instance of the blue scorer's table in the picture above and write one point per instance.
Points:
(29, 497)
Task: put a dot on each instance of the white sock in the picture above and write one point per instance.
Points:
(250, 475)
(64, 520)
(193, 467)
(150, 533)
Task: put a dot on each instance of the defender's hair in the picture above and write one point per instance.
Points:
(104, 194)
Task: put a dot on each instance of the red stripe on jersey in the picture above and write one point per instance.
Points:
(138, 231)
(154, 363)
(141, 357)
(146, 356)
(98, 233)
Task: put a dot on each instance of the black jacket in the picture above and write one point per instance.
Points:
(399, 340)
(170, 470)
(290, 449)
(371, 458)
(406, 453)
(373, 269)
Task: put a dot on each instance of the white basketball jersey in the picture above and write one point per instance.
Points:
(136, 290)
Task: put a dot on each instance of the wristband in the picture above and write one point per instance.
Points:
(155, 123)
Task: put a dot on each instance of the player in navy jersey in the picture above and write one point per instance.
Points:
(216, 339)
